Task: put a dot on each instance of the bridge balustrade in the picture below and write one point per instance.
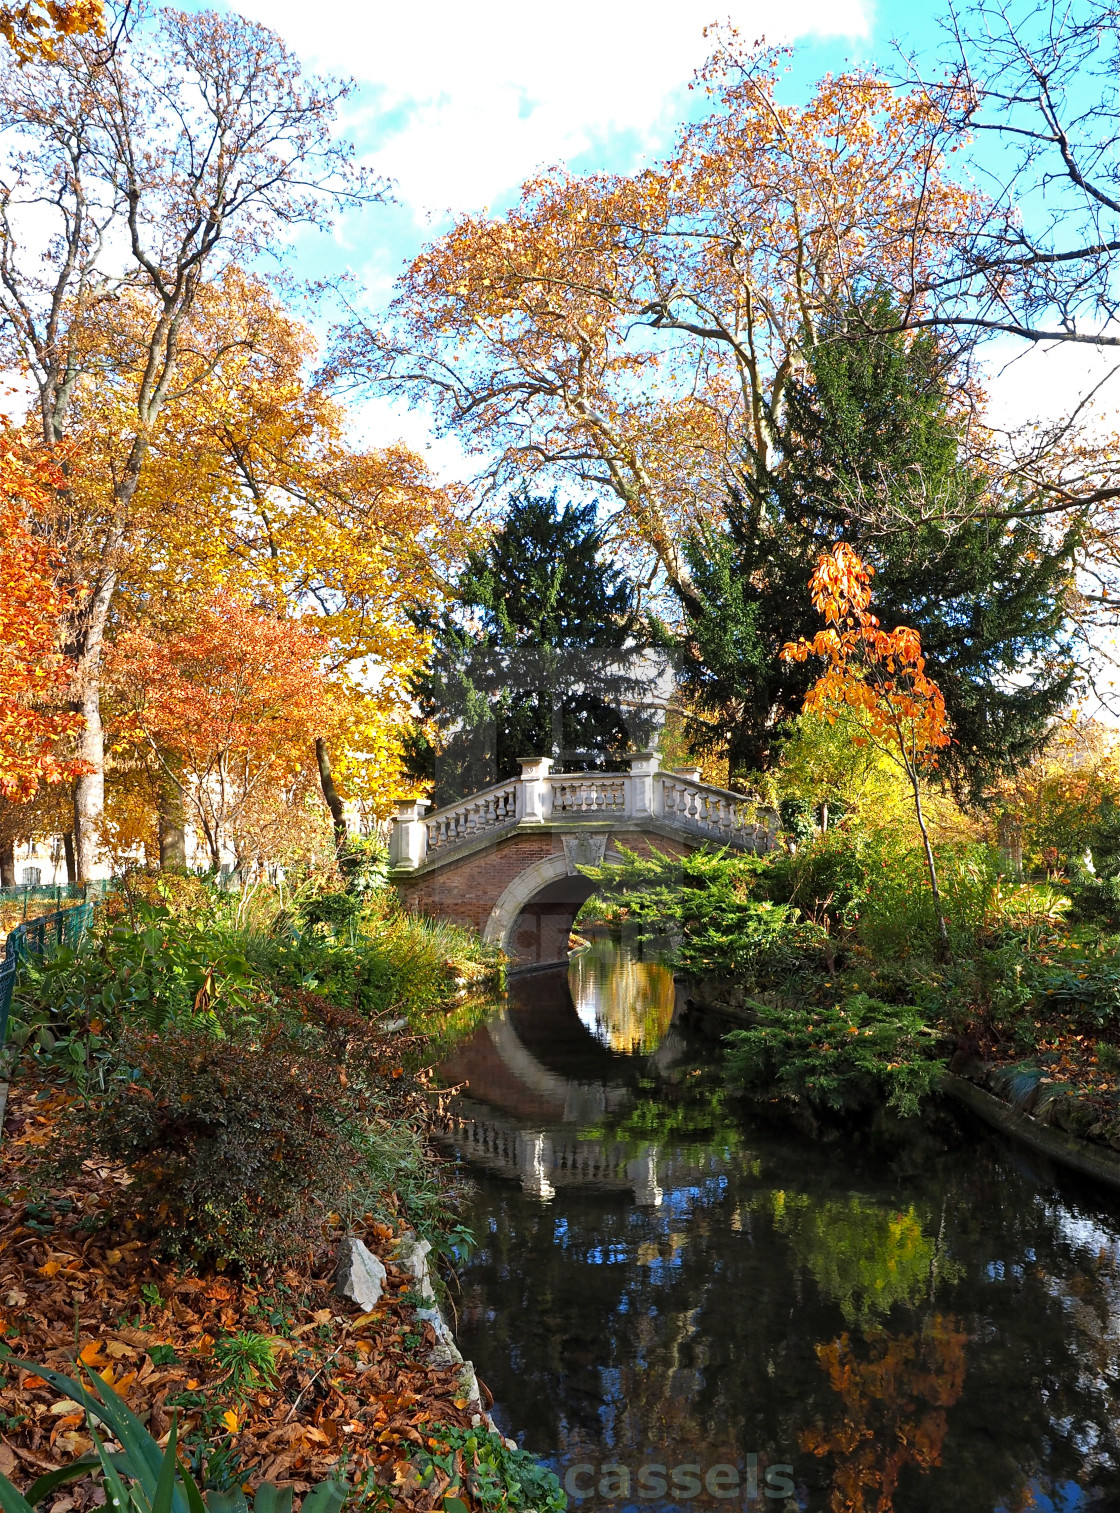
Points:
(540, 797)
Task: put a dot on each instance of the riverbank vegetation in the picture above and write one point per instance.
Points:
(828, 949)
(213, 1089)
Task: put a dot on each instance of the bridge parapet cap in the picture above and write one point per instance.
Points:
(644, 763)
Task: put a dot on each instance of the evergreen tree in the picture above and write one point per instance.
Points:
(870, 451)
(540, 656)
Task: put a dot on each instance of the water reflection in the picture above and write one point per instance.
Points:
(658, 1284)
(625, 1001)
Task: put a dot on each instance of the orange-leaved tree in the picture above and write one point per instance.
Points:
(230, 706)
(34, 674)
(641, 334)
(880, 676)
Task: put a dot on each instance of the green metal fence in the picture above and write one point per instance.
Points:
(61, 927)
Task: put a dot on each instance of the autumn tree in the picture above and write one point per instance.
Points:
(36, 728)
(251, 483)
(230, 708)
(881, 676)
(639, 334)
(196, 143)
(34, 29)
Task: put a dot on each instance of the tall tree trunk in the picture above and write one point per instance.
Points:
(89, 787)
(7, 847)
(172, 825)
(330, 793)
(71, 863)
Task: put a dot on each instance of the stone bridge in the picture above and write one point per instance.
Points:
(506, 861)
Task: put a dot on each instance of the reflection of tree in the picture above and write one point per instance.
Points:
(625, 1003)
(894, 1401)
(866, 1258)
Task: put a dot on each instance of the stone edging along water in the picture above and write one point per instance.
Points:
(411, 1254)
(1082, 1156)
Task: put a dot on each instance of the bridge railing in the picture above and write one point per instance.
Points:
(541, 797)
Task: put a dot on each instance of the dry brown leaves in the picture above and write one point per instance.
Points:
(353, 1391)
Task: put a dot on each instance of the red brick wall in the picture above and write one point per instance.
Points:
(466, 891)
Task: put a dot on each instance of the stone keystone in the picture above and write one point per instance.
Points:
(359, 1275)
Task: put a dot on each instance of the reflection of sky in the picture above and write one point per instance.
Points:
(1065, 1497)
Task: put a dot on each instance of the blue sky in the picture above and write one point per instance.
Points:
(459, 104)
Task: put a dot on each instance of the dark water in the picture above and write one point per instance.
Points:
(680, 1308)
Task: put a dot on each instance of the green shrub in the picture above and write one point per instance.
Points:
(898, 916)
(847, 1056)
(248, 1359)
(479, 1462)
(151, 968)
(796, 818)
(148, 966)
(709, 903)
(1094, 885)
(829, 877)
(239, 1148)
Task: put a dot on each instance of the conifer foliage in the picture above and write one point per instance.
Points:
(872, 452)
(541, 656)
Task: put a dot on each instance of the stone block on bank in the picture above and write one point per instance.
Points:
(359, 1275)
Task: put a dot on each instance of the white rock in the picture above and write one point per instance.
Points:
(359, 1275)
(412, 1255)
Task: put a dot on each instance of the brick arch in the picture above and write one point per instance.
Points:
(478, 885)
(521, 891)
(528, 886)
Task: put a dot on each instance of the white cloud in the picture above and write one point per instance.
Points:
(468, 100)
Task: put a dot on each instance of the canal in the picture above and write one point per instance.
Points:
(677, 1304)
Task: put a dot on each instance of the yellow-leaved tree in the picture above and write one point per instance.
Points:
(250, 484)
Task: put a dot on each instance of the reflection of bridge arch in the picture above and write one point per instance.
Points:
(531, 1078)
(537, 1063)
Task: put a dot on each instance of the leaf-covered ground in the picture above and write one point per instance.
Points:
(351, 1391)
